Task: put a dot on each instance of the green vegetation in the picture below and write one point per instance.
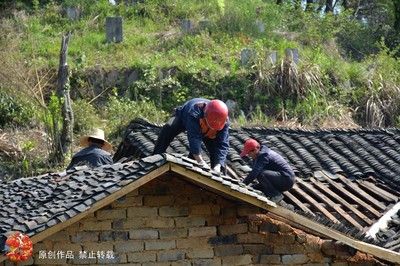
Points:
(348, 66)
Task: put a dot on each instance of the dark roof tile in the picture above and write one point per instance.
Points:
(356, 154)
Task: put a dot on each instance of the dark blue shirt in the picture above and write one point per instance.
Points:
(91, 156)
(268, 159)
(190, 114)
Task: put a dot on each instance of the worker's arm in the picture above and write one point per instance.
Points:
(258, 168)
(195, 139)
(222, 142)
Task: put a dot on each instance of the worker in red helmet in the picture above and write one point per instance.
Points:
(204, 121)
(273, 172)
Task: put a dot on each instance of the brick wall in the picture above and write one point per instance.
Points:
(172, 222)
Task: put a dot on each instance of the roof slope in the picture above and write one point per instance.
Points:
(41, 206)
(32, 205)
(345, 176)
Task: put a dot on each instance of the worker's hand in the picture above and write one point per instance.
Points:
(217, 168)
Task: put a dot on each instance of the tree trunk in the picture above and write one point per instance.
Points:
(297, 4)
(396, 4)
(64, 140)
(309, 6)
(345, 4)
(329, 6)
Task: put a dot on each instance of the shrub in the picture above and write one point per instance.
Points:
(120, 111)
(14, 112)
(381, 102)
(85, 116)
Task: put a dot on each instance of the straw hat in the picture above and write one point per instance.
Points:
(96, 134)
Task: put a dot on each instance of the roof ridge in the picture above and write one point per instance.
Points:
(390, 130)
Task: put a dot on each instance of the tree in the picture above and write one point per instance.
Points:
(396, 4)
(329, 6)
(63, 141)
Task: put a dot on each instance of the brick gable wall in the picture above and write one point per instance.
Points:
(170, 221)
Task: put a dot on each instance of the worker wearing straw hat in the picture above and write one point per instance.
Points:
(96, 151)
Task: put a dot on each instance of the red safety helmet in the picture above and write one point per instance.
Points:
(216, 114)
(249, 146)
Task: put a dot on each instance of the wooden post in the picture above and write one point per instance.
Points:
(114, 29)
(64, 141)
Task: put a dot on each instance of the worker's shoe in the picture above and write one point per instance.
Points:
(276, 198)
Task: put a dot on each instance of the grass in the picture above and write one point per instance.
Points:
(336, 79)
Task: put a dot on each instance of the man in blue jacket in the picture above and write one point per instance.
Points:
(96, 151)
(273, 172)
(205, 121)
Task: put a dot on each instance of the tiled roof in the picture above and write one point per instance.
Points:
(34, 204)
(345, 176)
(31, 205)
(390, 235)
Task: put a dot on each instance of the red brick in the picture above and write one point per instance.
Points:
(205, 209)
(159, 244)
(228, 250)
(172, 233)
(288, 249)
(270, 259)
(167, 211)
(171, 255)
(200, 253)
(194, 242)
(134, 212)
(128, 246)
(232, 229)
(111, 214)
(159, 222)
(237, 260)
(189, 221)
(143, 234)
(144, 256)
(202, 231)
(128, 202)
(167, 200)
(251, 238)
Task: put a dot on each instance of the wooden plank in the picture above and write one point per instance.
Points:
(378, 191)
(385, 254)
(102, 203)
(342, 201)
(353, 197)
(330, 233)
(362, 193)
(329, 202)
(299, 204)
(316, 204)
(208, 182)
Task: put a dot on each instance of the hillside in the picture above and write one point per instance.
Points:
(347, 73)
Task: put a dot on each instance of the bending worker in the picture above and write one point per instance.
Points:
(273, 172)
(205, 121)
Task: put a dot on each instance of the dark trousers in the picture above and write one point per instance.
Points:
(272, 183)
(173, 128)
